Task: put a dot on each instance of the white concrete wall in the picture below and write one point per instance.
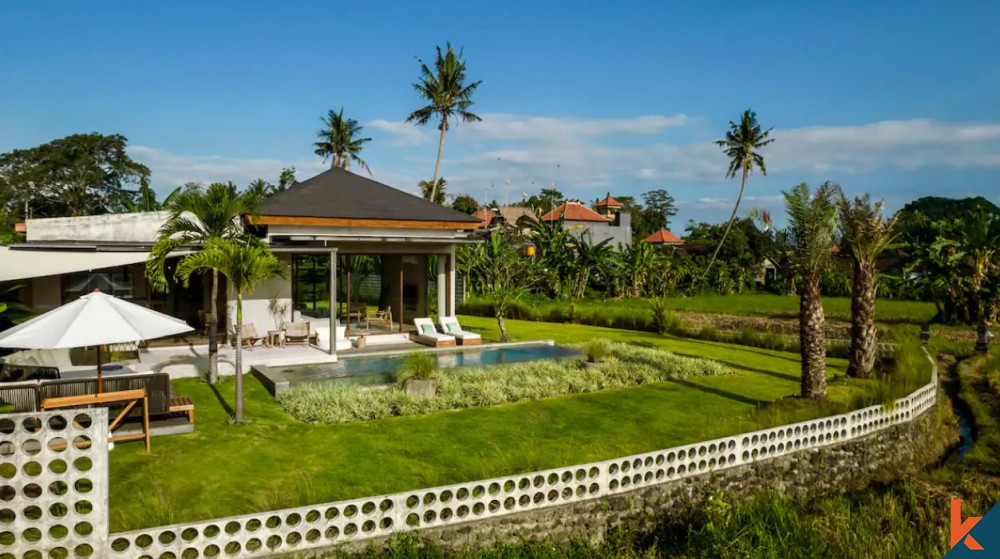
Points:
(138, 227)
(255, 304)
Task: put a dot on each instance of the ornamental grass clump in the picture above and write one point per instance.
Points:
(625, 365)
(418, 366)
(597, 350)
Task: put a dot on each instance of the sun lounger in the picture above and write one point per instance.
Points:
(450, 326)
(426, 334)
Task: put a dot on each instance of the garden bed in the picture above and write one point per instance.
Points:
(626, 365)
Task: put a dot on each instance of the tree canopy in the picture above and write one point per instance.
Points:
(82, 174)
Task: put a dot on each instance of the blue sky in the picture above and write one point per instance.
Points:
(895, 99)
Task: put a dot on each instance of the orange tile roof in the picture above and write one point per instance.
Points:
(574, 211)
(608, 202)
(664, 237)
(484, 216)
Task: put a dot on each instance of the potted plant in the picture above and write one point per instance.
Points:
(597, 350)
(419, 375)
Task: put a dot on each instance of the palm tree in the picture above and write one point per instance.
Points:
(590, 257)
(427, 187)
(811, 228)
(339, 141)
(741, 144)
(198, 216)
(246, 263)
(866, 235)
(447, 95)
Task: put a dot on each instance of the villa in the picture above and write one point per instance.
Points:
(323, 229)
(606, 221)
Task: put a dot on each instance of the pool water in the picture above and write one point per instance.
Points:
(379, 369)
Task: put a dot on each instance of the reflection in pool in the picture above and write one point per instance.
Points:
(379, 369)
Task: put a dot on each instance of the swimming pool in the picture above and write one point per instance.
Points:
(379, 369)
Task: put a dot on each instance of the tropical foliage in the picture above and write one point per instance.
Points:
(198, 217)
(82, 174)
(867, 234)
(339, 141)
(246, 263)
(742, 145)
(428, 191)
(448, 97)
(812, 228)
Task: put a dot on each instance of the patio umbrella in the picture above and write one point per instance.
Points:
(95, 319)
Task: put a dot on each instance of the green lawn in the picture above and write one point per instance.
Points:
(758, 304)
(276, 461)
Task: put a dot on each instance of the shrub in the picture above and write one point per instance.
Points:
(627, 365)
(418, 366)
(664, 320)
(597, 350)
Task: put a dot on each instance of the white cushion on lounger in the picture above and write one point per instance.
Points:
(450, 325)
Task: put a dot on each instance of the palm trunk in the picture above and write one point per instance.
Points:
(437, 166)
(864, 334)
(812, 339)
(239, 358)
(732, 218)
(213, 331)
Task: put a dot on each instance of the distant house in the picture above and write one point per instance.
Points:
(664, 238)
(484, 216)
(614, 224)
(515, 216)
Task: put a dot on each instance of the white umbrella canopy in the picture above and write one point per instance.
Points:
(92, 320)
(95, 319)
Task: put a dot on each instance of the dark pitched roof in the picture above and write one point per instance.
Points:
(337, 193)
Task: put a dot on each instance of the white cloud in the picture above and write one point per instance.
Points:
(586, 157)
(596, 162)
(170, 169)
(506, 127)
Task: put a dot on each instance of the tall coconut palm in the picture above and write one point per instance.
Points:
(812, 224)
(427, 190)
(246, 263)
(447, 95)
(866, 235)
(742, 144)
(339, 140)
(196, 217)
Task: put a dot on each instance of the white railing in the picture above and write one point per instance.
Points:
(316, 526)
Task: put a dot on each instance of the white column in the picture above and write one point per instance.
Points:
(452, 310)
(442, 287)
(333, 303)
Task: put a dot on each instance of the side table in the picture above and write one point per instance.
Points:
(276, 338)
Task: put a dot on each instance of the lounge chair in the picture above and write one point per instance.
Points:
(250, 337)
(449, 325)
(297, 333)
(426, 334)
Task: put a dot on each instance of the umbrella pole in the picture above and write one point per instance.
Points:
(100, 379)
